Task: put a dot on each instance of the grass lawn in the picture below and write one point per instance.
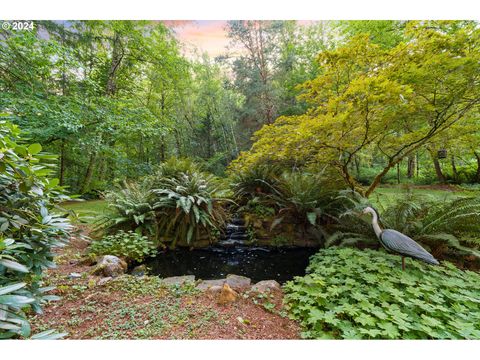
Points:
(385, 195)
(87, 211)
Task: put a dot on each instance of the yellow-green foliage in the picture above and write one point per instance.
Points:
(370, 98)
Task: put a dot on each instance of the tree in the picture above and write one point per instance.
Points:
(367, 98)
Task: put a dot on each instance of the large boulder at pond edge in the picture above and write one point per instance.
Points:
(110, 265)
(238, 283)
(179, 280)
(266, 286)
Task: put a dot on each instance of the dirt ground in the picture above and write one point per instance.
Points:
(130, 307)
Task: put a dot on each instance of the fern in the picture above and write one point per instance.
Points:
(446, 228)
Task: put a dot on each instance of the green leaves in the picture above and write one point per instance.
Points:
(13, 265)
(27, 198)
(178, 205)
(129, 245)
(34, 149)
(369, 296)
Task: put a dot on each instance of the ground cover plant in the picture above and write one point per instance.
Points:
(353, 294)
(129, 245)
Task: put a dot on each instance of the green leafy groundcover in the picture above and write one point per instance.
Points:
(353, 294)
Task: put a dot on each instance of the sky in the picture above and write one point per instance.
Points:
(206, 35)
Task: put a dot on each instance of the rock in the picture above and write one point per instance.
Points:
(104, 280)
(266, 286)
(238, 283)
(110, 265)
(207, 284)
(74, 275)
(214, 290)
(178, 280)
(140, 270)
(227, 295)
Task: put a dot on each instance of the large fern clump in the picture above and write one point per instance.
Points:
(353, 294)
(179, 204)
(446, 228)
(189, 207)
(304, 197)
(130, 208)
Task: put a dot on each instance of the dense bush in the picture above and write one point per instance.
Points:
(28, 229)
(448, 228)
(353, 294)
(179, 205)
(128, 245)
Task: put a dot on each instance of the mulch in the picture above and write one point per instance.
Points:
(244, 319)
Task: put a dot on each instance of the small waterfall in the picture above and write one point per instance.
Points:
(236, 234)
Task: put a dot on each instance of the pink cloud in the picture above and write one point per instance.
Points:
(206, 35)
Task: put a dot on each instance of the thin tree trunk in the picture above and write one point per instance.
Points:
(477, 175)
(357, 166)
(438, 168)
(398, 173)
(411, 166)
(62, 163)
(89, 173)
(454, 168)
(417, 160)
(162, 149)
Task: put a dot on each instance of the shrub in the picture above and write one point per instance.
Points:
(128, 245)
(180, 204)
(28, 229)
(353, 294)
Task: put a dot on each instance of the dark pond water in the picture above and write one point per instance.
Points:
(280, 264)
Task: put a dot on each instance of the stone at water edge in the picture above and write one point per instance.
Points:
(266, 286)
(207, 284)
(179, 280)
(214, 290)
(227, 295)
(110, 265)
(238, 283)
(140, 270)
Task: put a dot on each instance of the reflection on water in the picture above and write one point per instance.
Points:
(280, 264)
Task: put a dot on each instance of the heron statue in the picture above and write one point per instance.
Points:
(396, 242)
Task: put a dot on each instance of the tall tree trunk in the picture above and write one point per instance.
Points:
(417, 160)
(398, 173)
(454, 168)
(411, 166)
(89, 173)
(162, 148)
(477, 175)
(438, 168)
(357, 166)
(62, 163)
(117, 56)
